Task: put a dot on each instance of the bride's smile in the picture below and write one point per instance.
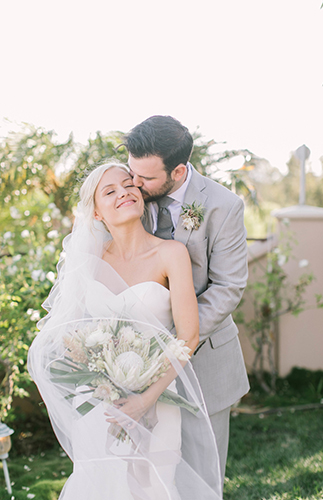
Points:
(126, 203)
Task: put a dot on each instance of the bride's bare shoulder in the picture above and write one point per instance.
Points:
(172, 249)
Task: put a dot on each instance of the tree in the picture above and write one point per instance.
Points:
(40, 179)
(211, 164)
(284, 189)
(98, 150)
(28, 163)
(31, 229)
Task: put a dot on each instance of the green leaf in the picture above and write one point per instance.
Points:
(56, 371)
(71, 396)
(71, 364)
(75, 378)
(172, 398)
(84, 408)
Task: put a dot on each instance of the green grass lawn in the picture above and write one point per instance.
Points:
(42, 475)
(276, 457)
(271, 456)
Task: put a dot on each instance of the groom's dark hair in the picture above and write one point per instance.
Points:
(161, 136)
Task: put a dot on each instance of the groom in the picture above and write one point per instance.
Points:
(159, 150)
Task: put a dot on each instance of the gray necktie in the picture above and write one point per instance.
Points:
(164, 223)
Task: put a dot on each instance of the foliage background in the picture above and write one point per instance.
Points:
(39, 184)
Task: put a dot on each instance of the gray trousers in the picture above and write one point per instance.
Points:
(193, 454)
(220, 424)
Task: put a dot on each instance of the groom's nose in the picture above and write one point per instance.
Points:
(136, 180)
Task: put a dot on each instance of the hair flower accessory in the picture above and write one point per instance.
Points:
(192, 215)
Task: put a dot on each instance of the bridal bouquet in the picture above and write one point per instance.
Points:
(113, 358)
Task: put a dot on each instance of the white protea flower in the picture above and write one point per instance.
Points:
(131, 369)
(137, 343)
(25, 233)
(106, 392)
(303, 263)
(130, 361)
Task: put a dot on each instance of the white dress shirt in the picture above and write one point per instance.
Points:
(175, 207)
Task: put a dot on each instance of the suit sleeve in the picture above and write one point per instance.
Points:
(227, 270)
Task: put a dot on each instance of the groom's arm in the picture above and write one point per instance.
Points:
(227, 271)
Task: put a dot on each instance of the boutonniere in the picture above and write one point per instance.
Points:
(192, 215)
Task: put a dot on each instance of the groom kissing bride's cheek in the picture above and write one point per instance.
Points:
(183, 205)
(138, 359)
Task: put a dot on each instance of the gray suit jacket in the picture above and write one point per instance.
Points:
(218, 252)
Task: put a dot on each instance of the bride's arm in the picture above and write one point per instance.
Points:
(177, 268)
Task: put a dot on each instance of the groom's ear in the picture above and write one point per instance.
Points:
(178, 172)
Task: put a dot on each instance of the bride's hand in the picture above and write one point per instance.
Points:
(134, 407)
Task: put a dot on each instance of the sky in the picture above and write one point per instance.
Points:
(247, 72)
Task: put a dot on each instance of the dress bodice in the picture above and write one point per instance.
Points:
(153, 297)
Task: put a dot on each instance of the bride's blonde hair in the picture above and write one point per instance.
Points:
(88, 188)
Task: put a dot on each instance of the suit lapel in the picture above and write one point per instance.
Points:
(194, 193)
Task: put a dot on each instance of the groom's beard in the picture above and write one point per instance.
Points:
(162, 191)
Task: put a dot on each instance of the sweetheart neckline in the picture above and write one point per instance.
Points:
(136, 284)
(128, 286)
(144, 282)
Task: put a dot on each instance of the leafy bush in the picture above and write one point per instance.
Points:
(27, 272)
(38, 188)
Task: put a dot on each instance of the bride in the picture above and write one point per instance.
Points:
(113, 378)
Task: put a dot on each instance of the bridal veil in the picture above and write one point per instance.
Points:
(83, 360)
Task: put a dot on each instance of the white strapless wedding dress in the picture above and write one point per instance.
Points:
(101, 476)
